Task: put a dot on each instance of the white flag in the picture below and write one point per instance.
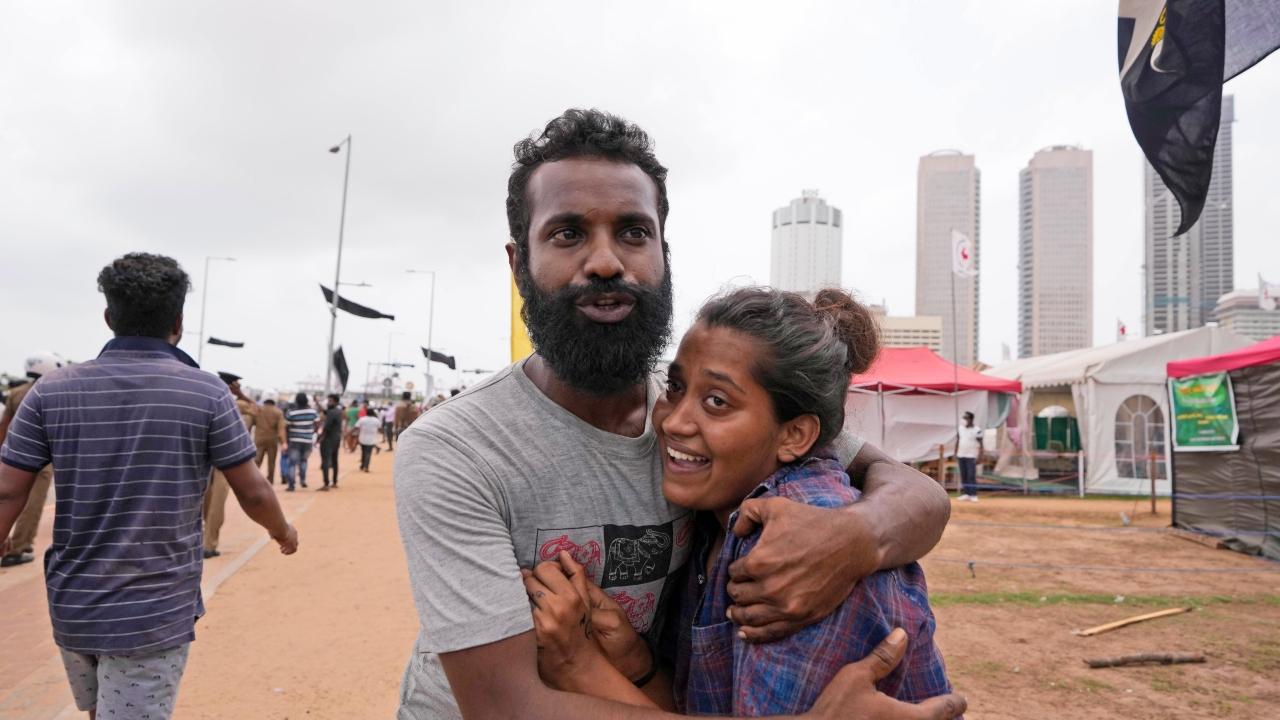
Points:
(1267, 294)
(962, 261)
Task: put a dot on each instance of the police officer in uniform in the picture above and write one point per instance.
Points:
(215, 498)
(21, 546)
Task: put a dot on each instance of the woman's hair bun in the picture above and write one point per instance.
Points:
(854, 325)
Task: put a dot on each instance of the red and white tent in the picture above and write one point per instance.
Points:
(906, 402)
(921, 370)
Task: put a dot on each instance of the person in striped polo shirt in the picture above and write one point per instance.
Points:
(301, 422)
(133, 435)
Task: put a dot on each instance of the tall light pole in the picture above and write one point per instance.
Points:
(337, 272)
(430, 321)
(204, 301)
(392, 336)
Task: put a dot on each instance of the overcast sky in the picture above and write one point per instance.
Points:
(200, 129)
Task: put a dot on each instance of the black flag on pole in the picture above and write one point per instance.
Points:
(340, 367)
(354, 308)
(225, 343)
(1174, 57)
(437, 356)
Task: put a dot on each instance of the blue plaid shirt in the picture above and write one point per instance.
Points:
(718, 674)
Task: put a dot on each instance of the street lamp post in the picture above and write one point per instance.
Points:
(204, 301)
(391, 336)
(430, 321)
(337, 272)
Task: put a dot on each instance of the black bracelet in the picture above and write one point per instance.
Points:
(653, 664)
(644, 679)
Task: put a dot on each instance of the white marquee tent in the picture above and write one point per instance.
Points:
(1121, 403)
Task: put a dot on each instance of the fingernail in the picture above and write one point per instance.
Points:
(897, 637)
(742, 635)
(728, 615)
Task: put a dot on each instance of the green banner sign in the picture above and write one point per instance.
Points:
(1204, 413)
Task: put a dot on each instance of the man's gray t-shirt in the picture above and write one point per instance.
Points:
(499, 478)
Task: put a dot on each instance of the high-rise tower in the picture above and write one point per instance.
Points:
(1055, 252)
(807, 238)
(947, 198)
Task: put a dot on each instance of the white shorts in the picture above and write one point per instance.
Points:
(127, 686)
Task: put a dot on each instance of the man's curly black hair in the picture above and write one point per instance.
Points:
(145, 294)
(580, 133)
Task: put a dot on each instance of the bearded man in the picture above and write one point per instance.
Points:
(557, 453)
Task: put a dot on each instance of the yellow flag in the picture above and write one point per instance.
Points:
(521, 347)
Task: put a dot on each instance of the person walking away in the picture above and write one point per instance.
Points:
(968, 450)
(215, 498)
(268, 436)
(123, 571)
(367, 428)
(352, 415)
(301, 422)
(406, 413)
(22, 544)
(388, 417)
(331, 441)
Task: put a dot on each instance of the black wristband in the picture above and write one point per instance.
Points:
(644, 679)
(653, 664)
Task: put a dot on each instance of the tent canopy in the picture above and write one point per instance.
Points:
(1129, 362)
(919, 369)
(1263, 353)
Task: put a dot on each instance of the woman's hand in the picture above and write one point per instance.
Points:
(567, 650)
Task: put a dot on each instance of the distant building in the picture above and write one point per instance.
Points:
(1238, 311)
(948, 198)
(1055, 252)
(807, 239)
(908, 330)
(1186, 275)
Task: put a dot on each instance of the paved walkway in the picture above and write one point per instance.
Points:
(324, 633)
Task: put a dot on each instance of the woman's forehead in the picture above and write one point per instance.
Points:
(705, 346)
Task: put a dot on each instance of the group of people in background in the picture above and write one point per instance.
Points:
(304, 424)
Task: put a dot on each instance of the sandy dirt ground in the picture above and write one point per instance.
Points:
(1005, 625)
(321, 634)
(326, 633)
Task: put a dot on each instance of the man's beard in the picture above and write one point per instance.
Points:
(597, 358)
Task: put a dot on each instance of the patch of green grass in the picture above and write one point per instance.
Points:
(1164, 684)
(1091, 685)
(1263, 658)
(988, 667)
(945, 599)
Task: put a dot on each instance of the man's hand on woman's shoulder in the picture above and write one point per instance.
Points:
(852, 694)
(806, 562)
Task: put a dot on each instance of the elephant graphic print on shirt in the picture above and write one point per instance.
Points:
(630, 562)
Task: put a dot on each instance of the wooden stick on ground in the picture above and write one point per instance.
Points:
(1131, 620)
(1145, 659)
